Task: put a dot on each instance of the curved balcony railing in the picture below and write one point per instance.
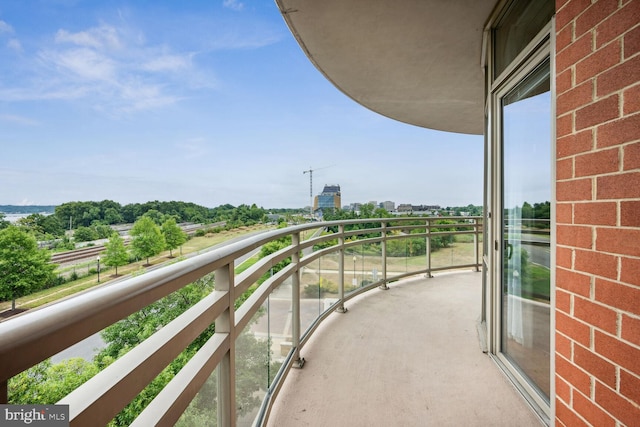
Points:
(323, 272)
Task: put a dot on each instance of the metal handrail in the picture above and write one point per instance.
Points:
(34, 336)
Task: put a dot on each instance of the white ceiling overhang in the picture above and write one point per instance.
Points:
(416, 61)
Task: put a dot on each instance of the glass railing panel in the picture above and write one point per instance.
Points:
(452, 250)
(322, 290)
(371, 264)
(397, 257)
(203, 409)
(353, 268)
(280, 326)
(64, 372)
(310, 296)
(254, 362)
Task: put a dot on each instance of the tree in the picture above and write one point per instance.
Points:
(147, 238)
(155, 215)
(46, 383)
(24, 267)
(112, 216)
(115, 253)
(42, 226)
(85, 234)
(173, 235)
(3, 222)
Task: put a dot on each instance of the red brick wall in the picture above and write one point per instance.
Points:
(598, 213)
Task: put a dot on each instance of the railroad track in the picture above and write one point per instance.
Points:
(94, 251)
(77, 254)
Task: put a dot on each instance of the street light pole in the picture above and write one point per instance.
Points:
(98, 268)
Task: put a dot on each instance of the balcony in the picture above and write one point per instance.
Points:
(407, 356)
(384, 339)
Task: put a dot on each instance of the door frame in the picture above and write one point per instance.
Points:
(541, 48)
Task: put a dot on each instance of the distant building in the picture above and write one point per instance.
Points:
(388, 206)
(329, 198)
(405, 208)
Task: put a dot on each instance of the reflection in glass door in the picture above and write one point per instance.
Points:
(526, 196)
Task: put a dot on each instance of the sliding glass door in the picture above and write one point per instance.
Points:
(520, 200)
(525, 196)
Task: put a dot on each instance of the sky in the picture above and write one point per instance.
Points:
(210, 102)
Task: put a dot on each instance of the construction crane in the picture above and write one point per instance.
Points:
(310, 172)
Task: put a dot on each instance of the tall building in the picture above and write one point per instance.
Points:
(329, 198)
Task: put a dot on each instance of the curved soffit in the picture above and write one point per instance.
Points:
(416, 61)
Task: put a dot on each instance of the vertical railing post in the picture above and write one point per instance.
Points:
(384, 286)
(341, 308)
(224, 281)
(475, 243)
(295, 302)
(428, 246)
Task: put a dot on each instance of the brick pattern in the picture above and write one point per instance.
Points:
(597, 296)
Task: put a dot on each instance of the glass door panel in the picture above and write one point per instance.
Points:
(525, 200)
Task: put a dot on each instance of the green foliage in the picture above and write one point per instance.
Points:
(366, 211)
(115, 254)
(112, 216)
(76, 214)
(318, 290)
(407, 247)
(147, 239)
(173, 235)
(537, 211)
(43, 227)
(103, 231)
(3, 222)
(157, 216)
(63, 244)
(85, 234)
(470, 210)
(24, 268)
(131, 331)
(272, 247)
(439, 242)
(46, 383)
(242, 215)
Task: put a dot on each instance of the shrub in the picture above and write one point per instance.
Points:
(325, 286)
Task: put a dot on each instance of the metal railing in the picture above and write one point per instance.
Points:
(28, 339)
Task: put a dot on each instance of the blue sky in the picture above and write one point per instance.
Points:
(210, 102)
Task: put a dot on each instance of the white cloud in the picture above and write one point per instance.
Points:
(104, 36)
(5, 28)
(117, 69)
(43, 92)
(15, 45)
(85, 63)
(233, 5)
(170, 63)
(21, 120)
(114, 69)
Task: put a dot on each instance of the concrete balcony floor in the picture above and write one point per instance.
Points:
(409, 356)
